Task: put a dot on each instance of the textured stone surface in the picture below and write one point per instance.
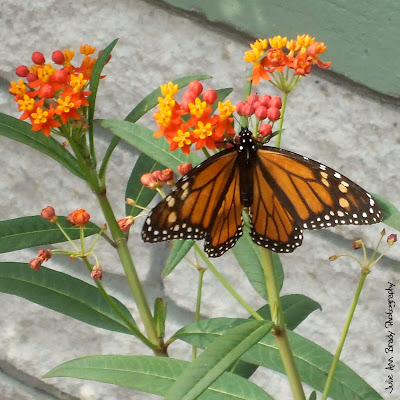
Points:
(326, 120)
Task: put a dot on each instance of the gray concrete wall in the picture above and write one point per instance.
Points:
(342, 125)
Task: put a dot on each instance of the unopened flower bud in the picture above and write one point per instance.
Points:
(49, 213)
(264, 100)
(251, 99)
(357, 244)
(166, 175)
(125, 223)
(273, 114)
(22, 71)
(184, 168)
(44, 255)
(150, 181)
(58, 57)
(265, 129)
(333, 258)
(78, 217)
(275, 101)
(196, 87)
(391, 239)
(209, 96)
(36, 263)
(31, 77)
(97, 273)
(261, 112)
(247, 110)
(130, 202)
(239, 107)
(38, 58)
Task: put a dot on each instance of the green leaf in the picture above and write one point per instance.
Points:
(153, 375)
(62, 293)
(296, 308)
(134, 188)
(151, 100)
(21, 131)
(95, 79)
(216, 359)
(391, 215)
(142, 138)
(313, 395)
(248, 255)
(179, 250)
(25, 232)
(313, 362)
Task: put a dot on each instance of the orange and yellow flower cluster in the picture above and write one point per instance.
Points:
(192, 121)
(300, 55)
(52, 96)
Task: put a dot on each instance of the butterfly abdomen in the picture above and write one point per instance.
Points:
(245, 162)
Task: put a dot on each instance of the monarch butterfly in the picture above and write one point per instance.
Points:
(283, 192)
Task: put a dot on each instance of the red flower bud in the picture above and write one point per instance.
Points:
(196, 87)
(31, 77)
(38, 58)
(125, 223)
(274, 114)
(264, 100)
(78, 217)
(44, 255)
(261, 112)
(36, 263)
(392, 238)
(209, 96)
(247, 110)
(22, 71)
(58, 57)
(357, 244)
(265, 129)
(239, 107)
(275, 102)
(150, 181)
(97, 273)
(61, 76)
(46, 91)
(167, 175)
(251, 99)
(184, 168)
(49, 213)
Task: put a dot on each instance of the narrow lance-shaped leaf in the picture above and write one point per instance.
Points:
(63, 293)
(154, 375)
(391, 215)
(25, 232)
(21, 131)
(313, 362)
(216, 359)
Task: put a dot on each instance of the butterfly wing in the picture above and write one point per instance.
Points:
(205, 203)
(292, 192)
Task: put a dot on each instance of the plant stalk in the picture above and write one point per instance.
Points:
(279, 329)
(339, 349)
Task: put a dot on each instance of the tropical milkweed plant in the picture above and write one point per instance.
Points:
(235, 190)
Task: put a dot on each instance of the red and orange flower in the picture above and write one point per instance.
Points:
(54, 95)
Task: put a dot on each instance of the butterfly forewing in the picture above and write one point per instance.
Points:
(191, 209)
(313, 196)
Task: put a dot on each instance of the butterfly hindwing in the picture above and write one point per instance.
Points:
(203, 204)
(293, 192)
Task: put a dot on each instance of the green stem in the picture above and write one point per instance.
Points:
(227, 286)
(284, 101)
(279, 329)
(343, 337)
(129, 268)
(198, 305)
